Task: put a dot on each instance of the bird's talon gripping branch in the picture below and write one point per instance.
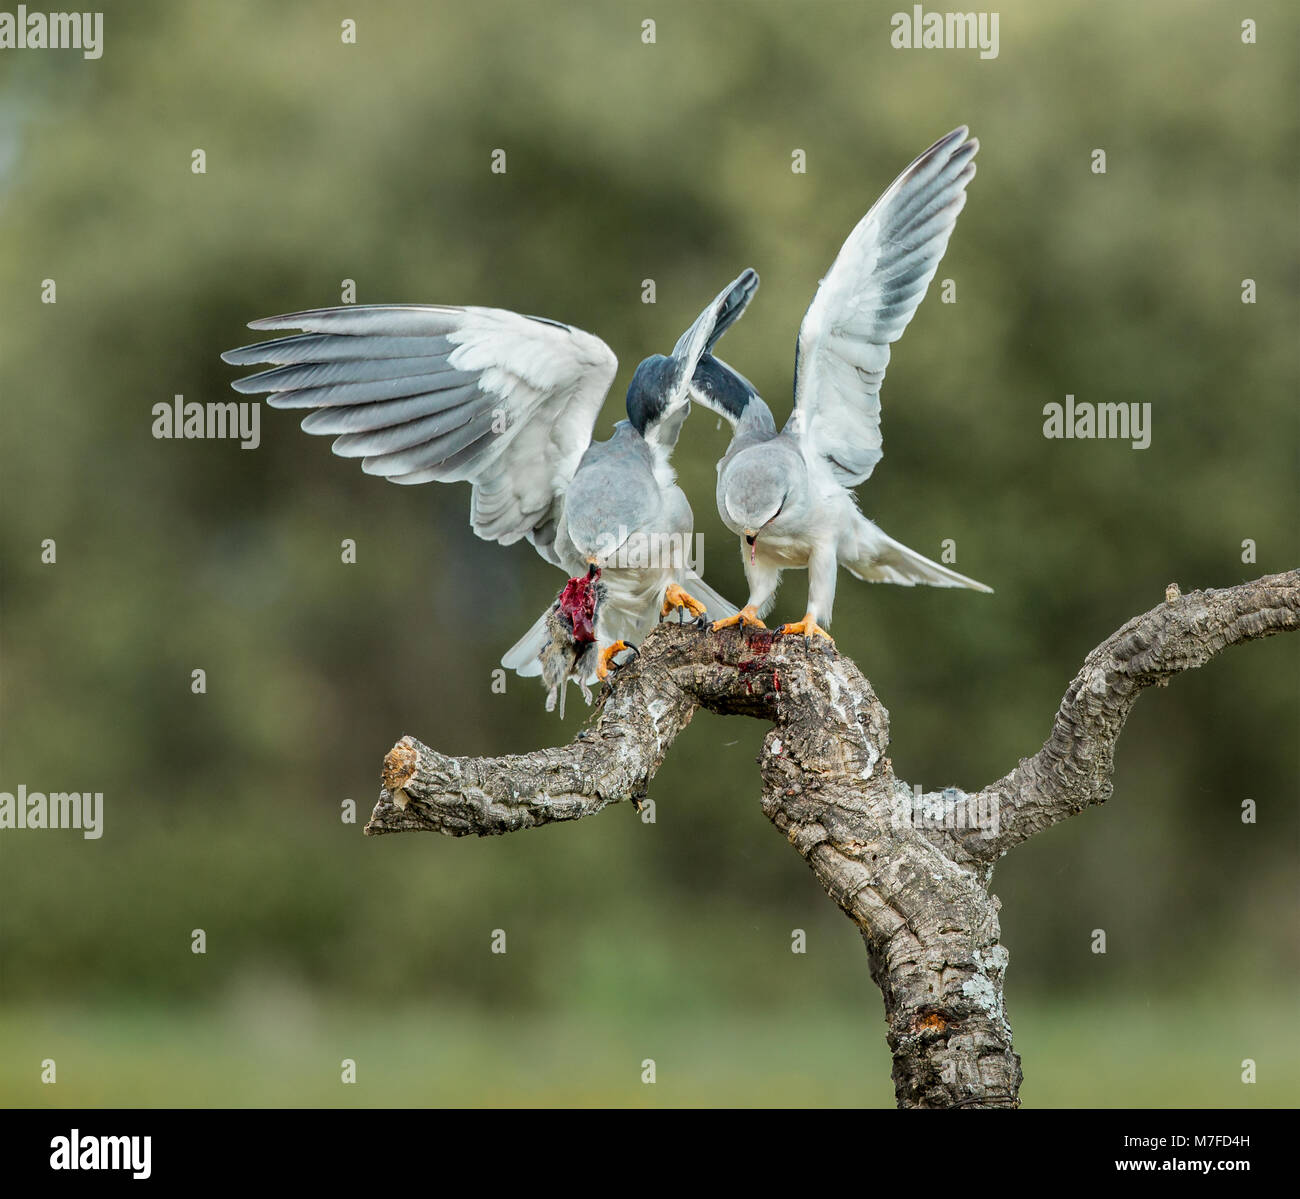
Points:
(807, 627)
(747, 616)
(927, 916)
(677, 598)
(607, 656)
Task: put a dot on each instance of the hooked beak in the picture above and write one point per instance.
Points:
(593, 569)
(750, 539)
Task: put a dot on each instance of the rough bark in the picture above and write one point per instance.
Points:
(910, 869)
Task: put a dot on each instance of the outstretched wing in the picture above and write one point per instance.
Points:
(866, 301)
(727, 308)
(662, 388)
(419, 394)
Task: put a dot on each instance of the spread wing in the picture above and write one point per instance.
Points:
(664, 387)
(419, 394)
(727, 308)
(865, 302)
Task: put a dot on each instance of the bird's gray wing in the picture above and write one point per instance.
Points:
(866, 301)
(691, 349)
(503, 401)
(726, 309)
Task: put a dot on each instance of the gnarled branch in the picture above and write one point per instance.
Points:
(911, 869)
(1072, 771)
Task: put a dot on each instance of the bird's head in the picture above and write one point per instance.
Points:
(753, 498)
(601, 511)
(597, 537)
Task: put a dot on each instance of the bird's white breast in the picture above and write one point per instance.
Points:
(781, 549)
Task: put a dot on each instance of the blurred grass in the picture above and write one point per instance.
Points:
(272, 1048)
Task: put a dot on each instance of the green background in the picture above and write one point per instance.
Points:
(627, 162)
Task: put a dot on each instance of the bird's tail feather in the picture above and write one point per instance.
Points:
(881, 559)
(718, 606)
(524, 657)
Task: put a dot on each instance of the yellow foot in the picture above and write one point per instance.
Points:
(607, 655)
(676, 597)
(747, 616)
(807, 627)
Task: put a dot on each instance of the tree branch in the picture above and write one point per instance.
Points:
(911, 869)
(1073, 769)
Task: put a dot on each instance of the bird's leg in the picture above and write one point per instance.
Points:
(607, 656)
(807, 627)
(823, 569)
(747, 616)
(676, 597)
(763, 582)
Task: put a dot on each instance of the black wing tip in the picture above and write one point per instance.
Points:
(746, 282)
(959, 138)
(964, 151)
(738, 298)
(733, 305)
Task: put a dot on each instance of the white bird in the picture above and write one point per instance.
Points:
(788, 494)
(508, 403)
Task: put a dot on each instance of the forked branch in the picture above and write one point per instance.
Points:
(911, 870)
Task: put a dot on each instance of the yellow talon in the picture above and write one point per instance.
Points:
(676, 597)
(807, 627)
(747, 616)
(606, 657)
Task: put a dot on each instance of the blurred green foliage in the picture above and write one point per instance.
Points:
(628, 162)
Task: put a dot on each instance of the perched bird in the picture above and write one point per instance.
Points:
(788, 494)
(508, 403)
